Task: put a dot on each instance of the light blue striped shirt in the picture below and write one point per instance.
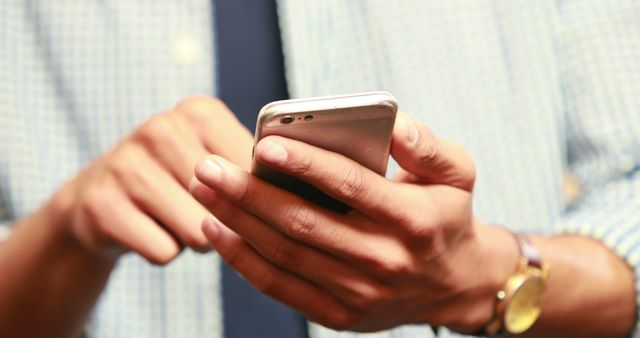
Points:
(534, 90)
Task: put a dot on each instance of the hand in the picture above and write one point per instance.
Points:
(135, 198)
(408, 252)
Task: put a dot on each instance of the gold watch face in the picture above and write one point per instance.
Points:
(525, 304)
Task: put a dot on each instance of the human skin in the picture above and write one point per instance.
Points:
(134, 198)
(410, 251)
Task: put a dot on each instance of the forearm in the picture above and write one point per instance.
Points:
(49, 281)
(590, 290)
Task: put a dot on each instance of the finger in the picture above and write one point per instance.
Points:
(233, 142)
(115, 217)
(218, 129)
(332, 173)
(173, 143)
(376, 251)
(427, 158)
(160, 195)
(287, 213)
(314, 302)
(350, 286)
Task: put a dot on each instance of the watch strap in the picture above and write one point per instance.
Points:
(529, 251)
(530, 256)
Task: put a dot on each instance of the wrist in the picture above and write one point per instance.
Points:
(46, 266)
(484, 260)
(500, 259)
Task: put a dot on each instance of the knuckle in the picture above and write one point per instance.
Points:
(428, 147)
(417, 225)
(433, 246)
(154, 130)
(134, 181)
(339, 320)
(267, 284)
(390, 269)
(352, 185)
(429, 151)
(119, 168)
(97, 200)
(425, 235)
(284, 254)
(302, 223)
(468, 172)
(234, 257)
(370, 297)
(418, 229)
(169, 143)
(91, 202)
(426, 242)
(225, 212)
(126, 169)
(121, 161)
(247, 193)
(198, 104)
(92, 237)
(89, 237)
(198, 109)
(301, 166)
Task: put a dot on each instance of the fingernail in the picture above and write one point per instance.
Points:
(210, 227)
(412, 130)
(272, 151)
(210, 171)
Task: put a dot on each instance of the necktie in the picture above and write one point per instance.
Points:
(251, 74)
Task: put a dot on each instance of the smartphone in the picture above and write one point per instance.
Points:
(358, 126)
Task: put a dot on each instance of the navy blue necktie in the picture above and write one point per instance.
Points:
(251, 74)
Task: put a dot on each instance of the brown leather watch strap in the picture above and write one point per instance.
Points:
(529, 251)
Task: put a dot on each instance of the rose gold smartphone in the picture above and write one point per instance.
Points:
(358, 126)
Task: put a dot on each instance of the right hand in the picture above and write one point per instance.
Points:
(135, 197)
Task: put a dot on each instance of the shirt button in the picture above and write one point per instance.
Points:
(186, 50)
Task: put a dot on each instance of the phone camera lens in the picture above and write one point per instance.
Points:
(287, 119)
(308, 118)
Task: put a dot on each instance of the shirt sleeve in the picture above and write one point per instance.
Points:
(611, 214)
(598, 46)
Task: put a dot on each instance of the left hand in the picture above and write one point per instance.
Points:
(409, 251)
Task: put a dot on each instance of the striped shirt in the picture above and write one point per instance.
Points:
(534, 90)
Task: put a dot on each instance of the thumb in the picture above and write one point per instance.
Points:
(428, 159)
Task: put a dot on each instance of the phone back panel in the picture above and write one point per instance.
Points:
(359, 129)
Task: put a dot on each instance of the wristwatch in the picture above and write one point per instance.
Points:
(519, 303)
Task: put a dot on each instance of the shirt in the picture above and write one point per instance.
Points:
(533, 89)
